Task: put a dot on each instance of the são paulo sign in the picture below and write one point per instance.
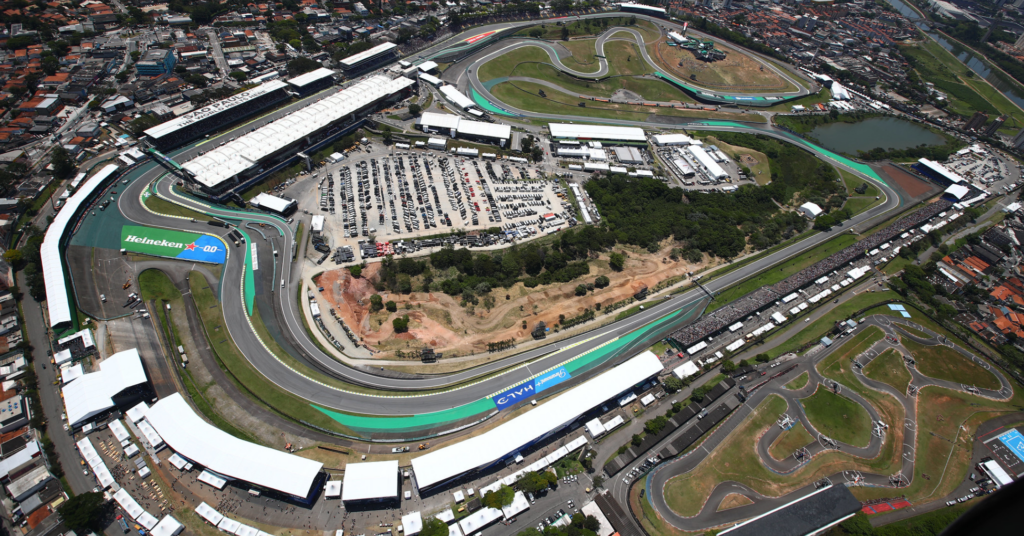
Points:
(172, 244)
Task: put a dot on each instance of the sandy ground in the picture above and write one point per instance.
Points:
(910, 184)
(438, 320)
(736, 71)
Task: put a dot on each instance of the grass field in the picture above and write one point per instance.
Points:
(246, 377)
(790, 440)
(584, 55)
(853, 182)
(760, 172)
(817, 329)
(963, 99)
(624, 59)
(799, 382)
(525, 96)
(944, 363)
(503, 65)
(822, 96)
(912, 331)
(155, 285)
(838, 417)
(890, 369)
(776, 274)
(737, 73)
(163, 206)
(858, 204)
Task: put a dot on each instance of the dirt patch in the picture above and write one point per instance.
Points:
(442, 322)
(910, 184)
(748, 160)
(737, 71)
(734, 500)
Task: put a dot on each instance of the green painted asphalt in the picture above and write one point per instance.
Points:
(486, 104)
(862, 168)
(575, 366)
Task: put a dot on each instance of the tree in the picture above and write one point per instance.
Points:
(728, 366)
(401, 325)
(636, 440)
(762, 358)
(500, 498)
(356, 270)
(824, 222)
(415, 109)
(301, 65)
(238, 75)
(83, 512)
(602, 281)
(123, 76)
(391, 306)
(376, 303)
(581, 290)
(672, 384)
(592, 524)
(598, 481)
(13, 257)
(434, 527)
(565, 33)
(617, 261)
(62, 164)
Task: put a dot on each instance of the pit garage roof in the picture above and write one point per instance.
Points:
(449, 462)
(213, 109)
(225, 162)
(53, 267)
(356, 59)
(370, 480)
(596, 132)
(484, 130)
(427, 66)
(438, 121)
(93, 393)
(313, 76)
(227, 455)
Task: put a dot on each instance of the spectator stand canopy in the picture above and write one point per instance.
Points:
(137, 412)
(412, 523)
(938, 172)
(216, 113)
(100, 391)
(366, 58)
(150, 435)
(229, 456)
(371, 481)
(313, 79)
(494, 445)
(212, 479)
(567, 131)
(58, 307)
(956, 192)
(223, 164)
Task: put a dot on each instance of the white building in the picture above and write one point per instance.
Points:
(810, 210)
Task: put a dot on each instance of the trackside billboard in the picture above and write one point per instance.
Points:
(523, 391)
(172, 244)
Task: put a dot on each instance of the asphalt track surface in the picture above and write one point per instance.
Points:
(709, 517)
(287, 320)
(612, 34)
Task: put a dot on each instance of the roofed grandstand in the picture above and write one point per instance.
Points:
(313, 81)
(763, 297)
(368, 59)
(190, 126)
(251, 157)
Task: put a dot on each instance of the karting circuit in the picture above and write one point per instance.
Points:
(819, 417)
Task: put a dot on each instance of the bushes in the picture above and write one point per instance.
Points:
(401, 325)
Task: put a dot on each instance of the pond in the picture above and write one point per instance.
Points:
(884, 132)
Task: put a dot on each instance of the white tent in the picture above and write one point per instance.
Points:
(93, 393)
(371, 480)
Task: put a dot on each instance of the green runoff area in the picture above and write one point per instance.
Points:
(789, 441)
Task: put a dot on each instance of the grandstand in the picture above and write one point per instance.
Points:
(313, 81)
(194, 124)
(368, 59)
(644, 10)
(762, 298)
(250, 158)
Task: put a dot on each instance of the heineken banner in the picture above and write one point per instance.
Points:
(172, 244)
